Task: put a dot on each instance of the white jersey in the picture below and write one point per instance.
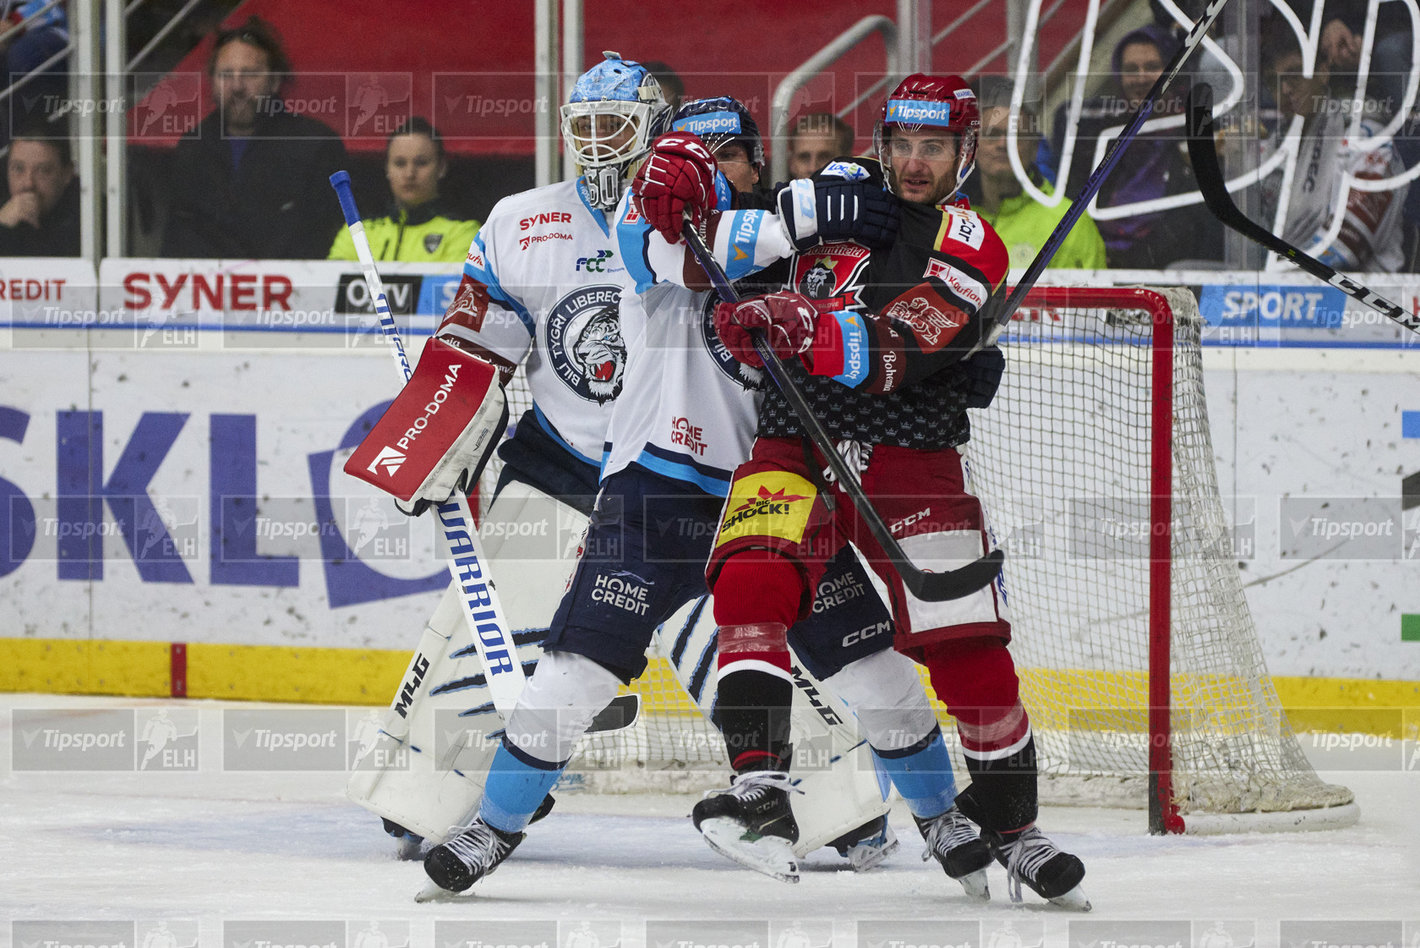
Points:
(689, 409)
(541, 282)
(1370, 234)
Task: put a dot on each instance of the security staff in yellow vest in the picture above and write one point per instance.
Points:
(416, 228)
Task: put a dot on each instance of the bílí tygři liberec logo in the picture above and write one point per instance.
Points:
(584, 343)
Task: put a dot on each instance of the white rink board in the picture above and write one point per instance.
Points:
(274, 392)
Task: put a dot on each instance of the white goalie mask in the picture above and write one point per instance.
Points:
(608, 123)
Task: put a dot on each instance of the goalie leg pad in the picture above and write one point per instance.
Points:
(886, 694)
(438, 432)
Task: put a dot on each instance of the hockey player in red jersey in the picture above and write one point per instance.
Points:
(889, 347)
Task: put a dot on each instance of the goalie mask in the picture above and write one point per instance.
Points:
(721, 121)
(608, 123)
(921, 102)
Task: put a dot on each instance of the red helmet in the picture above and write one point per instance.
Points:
(922, 101)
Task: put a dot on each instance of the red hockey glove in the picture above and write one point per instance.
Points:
(787, 320)
(677, 179)
(438, 432)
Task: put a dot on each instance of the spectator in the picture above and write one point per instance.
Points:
(815, 139)
(1369, 238)
(1343, 30)
(30, 37)
(1023, 222)
(41, 216)
(251, 181)
(1155, 165)
(417, 227)
(672, 86)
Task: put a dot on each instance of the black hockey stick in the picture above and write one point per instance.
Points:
(1203, 152)
(933, 587)
(1078, 203)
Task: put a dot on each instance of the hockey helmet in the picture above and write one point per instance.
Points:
(719, 121)
(921, 101)
(608, 123)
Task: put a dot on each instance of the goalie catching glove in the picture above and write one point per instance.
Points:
(678, 179)
(438, 433)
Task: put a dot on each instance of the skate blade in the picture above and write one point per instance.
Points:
(433, 892)
(770, 855)
(976, 886)
(1074, 900)
(862, 858)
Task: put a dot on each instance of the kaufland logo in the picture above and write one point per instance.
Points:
(389, 459)
(921, 113)
(709, 123)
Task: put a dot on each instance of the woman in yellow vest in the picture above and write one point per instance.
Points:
(417, 228)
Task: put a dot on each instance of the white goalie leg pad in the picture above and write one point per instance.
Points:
(558, 703)
(886, 694)
(424, 770)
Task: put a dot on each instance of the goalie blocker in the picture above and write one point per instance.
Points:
(438, 432)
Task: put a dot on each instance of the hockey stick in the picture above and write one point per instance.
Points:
(1203, 152)
(458, 531)
(1056, 240)
(933, 587)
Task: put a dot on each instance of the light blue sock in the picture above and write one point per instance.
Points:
(922, 773)
(517, 784)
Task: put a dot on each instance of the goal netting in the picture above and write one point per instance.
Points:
(1140, 664)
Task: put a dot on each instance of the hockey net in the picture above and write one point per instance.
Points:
(1072, 462)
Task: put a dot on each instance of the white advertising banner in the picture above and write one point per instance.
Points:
(172, 434)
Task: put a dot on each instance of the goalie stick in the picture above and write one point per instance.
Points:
(930, 586)
(1203, 152)
(458, 531)
(1079, 202)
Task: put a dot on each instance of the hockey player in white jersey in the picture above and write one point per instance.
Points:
(685, 419)
(540, 288)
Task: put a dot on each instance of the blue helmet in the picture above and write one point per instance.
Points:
(719, 121)
(608, 123)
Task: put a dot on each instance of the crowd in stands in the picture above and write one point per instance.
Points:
(250, 181)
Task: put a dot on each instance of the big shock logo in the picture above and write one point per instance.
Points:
(584, 343)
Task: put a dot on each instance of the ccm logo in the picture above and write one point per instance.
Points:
(556, 217)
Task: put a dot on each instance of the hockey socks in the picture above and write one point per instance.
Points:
(517, 785)
(922, 773)
(754, 697)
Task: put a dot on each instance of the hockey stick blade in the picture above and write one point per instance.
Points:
(925, 585)
(1203, 152)
(620, 713)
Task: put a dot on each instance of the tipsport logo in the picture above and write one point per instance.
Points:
(117, 739)
(710, 123)
(916, 112)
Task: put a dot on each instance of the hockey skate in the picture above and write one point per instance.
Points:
(466, 858)
(868, 845)
(752, 823)
(952, 840)
(1033, 859)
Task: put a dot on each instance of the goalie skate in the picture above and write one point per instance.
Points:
(952, 840)
(868, 845)
(752, 823)
(472, 854)
(1032, 859)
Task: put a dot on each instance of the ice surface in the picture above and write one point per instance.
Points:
(216, 856)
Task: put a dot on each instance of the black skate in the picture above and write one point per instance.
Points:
(409, 843)
(868, 845)
(752, 823)
(467, 857)
(1031, 858)
(952, 840)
